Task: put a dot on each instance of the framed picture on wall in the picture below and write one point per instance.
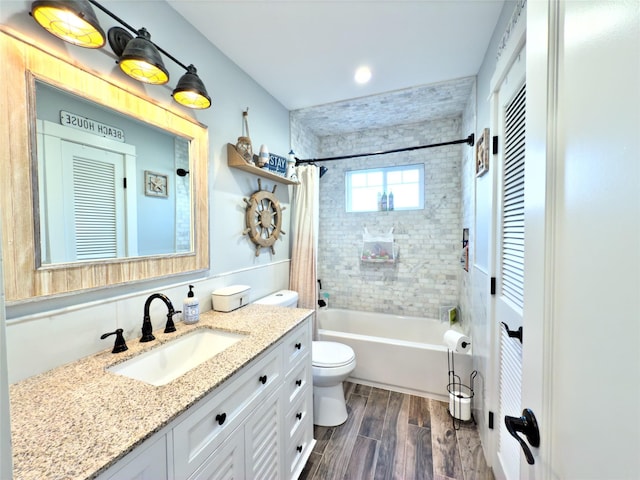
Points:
(482, 153)
(156, 184)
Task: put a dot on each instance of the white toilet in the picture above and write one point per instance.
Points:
(332, 363)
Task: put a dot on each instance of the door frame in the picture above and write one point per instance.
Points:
(514, 39)
(539, 30)
(540, 193)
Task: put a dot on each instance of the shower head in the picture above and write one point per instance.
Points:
(323, 170)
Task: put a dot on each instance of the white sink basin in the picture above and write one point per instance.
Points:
(175, 358)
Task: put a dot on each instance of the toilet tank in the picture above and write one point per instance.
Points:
(281, 298)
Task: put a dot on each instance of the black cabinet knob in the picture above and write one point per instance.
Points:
(299, 383)
(298, 346)
(220, 418)
(299, 448)
(299, 415)
(263, 379)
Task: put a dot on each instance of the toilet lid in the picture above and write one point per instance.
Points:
(331, 354)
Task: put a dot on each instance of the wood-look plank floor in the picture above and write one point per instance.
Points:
(391, 435)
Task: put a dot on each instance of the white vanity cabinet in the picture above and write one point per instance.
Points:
(257, 424)
(147, 462)
(203, 428)
(263, 443)
(297, 392)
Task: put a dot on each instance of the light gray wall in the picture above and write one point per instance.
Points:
(67, 328)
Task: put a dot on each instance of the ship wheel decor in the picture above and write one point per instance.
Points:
(263, 218)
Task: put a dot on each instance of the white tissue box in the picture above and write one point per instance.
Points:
(230, 298)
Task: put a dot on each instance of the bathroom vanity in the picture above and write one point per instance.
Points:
(247, 412)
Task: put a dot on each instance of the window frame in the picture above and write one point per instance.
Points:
(385, 170)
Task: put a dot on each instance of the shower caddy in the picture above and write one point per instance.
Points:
(378, 248)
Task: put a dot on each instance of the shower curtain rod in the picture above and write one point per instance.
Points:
(469, 141)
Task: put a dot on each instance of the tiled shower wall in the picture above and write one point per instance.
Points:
(426, 274)
(467, 195)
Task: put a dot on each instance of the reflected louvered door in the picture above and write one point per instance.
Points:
(97, 216)
(94, 206)
(510, 266)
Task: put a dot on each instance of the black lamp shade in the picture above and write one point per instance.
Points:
(190, 91)
(141, 60)
(73, 21)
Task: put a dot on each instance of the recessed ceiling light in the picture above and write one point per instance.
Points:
(363, 75)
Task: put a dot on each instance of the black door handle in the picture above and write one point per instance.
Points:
(528, 425)
(513, 333)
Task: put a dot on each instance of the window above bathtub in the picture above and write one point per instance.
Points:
(385, 188)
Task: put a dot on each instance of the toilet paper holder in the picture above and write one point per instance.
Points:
(460, 394)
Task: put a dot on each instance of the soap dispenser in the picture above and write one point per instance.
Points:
(190, 308)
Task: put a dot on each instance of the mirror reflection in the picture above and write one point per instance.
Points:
(108, 185)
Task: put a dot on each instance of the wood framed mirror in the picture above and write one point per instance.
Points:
(26, 277)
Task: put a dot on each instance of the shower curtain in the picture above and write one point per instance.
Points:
(304, 225)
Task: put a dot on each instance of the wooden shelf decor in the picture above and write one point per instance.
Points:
(235, 160)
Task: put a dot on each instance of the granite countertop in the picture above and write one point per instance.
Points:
(77, 420)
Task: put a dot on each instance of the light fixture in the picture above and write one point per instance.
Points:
(72, 21)
(363, 75)
(75, 22)
(190, 91)
(141, 60)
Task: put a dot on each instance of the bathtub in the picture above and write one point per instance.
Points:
(395, 352)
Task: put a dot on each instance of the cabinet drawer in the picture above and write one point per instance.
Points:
(297, 344)
(299, 449)
(202, 431)
(300, 414)
(297, 380)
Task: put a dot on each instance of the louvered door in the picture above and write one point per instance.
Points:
(95, 225)
(263, 441)
(510, 259)
(512, 231)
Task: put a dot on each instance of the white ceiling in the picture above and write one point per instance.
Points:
(305, 52)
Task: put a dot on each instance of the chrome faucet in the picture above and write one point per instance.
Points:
(147, 328)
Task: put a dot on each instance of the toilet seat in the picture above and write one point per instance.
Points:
(331, 354)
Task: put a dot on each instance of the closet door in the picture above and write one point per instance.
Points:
(510, 102)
